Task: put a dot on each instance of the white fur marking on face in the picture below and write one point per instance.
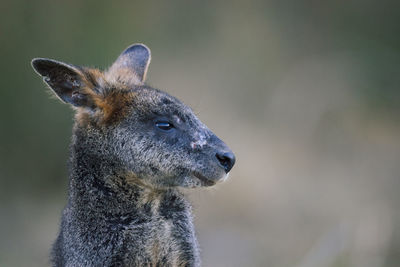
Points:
(200, 142)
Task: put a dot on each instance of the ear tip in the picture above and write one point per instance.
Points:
(38, 63)
(138, 48)
(43, 65)
(35, 61)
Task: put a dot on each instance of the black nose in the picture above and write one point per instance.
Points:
(226, 160)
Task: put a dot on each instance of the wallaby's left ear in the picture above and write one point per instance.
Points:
(71, 84)
(132, 65)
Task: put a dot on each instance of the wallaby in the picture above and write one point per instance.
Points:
(132, 148)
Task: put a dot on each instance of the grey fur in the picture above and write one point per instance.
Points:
(124, 205)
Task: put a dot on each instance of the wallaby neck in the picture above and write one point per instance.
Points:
(137, 225)
(97, 184)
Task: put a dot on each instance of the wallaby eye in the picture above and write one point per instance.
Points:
(164, 125)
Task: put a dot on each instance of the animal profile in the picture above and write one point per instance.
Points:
(133, 147)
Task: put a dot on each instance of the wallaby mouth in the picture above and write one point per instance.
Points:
(217, 165)
(205, 181)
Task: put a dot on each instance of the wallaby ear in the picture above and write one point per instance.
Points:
(68, 82)
(132, 65)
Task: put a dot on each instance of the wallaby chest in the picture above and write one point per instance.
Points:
(158, 232)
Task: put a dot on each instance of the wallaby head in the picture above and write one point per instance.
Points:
(140, 132)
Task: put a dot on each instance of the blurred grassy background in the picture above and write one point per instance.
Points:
(305, 92)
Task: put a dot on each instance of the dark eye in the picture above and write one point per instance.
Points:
(164, 125)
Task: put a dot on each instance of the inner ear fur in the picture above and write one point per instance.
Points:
(71, 84)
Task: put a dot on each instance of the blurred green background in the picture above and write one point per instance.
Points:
(305, 92)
